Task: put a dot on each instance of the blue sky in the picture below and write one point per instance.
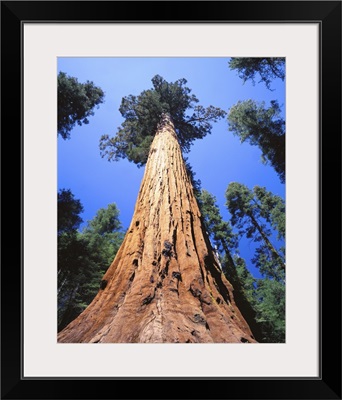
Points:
(217, 160)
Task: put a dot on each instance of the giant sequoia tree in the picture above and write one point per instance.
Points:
(165, 283)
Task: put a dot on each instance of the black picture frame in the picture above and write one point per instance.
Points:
(328, 384)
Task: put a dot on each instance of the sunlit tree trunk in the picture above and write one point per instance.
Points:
(165, 284)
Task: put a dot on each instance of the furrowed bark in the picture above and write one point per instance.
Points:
(165, 284)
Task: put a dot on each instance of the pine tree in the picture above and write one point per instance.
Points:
(259, 214)
(251, 214)
(266, 68)
(262, 127)
(76, 103)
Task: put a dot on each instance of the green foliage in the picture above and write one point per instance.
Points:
(77, 272)
(240, 205)
(69, 209)
(267, 298)
(267, 68)
(255, 212)
(266, 295)
(104, 235)
(271, 309)
(105, 221)
(258, 214)
(269, 263)
(76, 102)
(142, 114)
(248, 282)
(262, 127)
(196, 183)
(220, 230)
(272, 209)
(83, 258)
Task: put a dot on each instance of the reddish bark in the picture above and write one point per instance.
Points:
(165, 284)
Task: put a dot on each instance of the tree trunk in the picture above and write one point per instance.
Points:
(273, 251)
(165, 284)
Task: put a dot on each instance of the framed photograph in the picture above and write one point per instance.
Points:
(47, 342)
